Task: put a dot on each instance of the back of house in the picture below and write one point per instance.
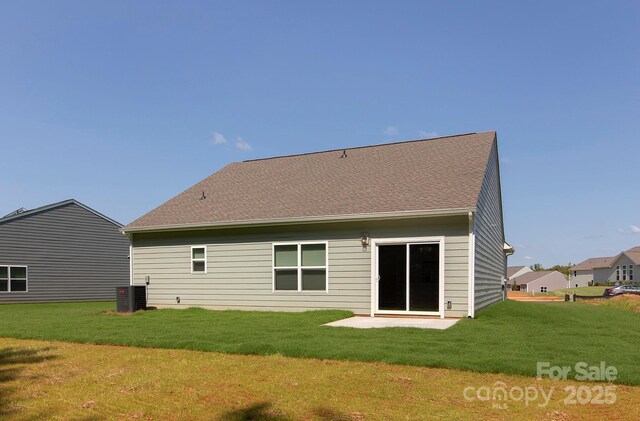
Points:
(607, 270)
(411, 227)
(65, 251)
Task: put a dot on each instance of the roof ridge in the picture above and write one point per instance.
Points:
(57, 205)
(365, 146)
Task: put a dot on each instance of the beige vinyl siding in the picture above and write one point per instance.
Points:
(239, 265)
(582, 278)
(490, 261)
(553, 281)
(608, 274)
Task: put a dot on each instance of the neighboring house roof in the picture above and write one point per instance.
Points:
(511, 270)
(424, 176)
(534, 276)
(605, 262)
(23, 213)
(15, 212)
(633, 254)
(594, 262)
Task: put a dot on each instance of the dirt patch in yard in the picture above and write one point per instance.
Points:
(93, 382)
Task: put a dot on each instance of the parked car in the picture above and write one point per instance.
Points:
(622, 289)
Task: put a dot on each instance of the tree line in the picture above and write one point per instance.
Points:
(563, 269)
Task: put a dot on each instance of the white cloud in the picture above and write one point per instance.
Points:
(620, 230)
(218, 139)
(505, 160)
(391, 131)
(528, 258)
(634, 228)
(427, 135)
(241, 145)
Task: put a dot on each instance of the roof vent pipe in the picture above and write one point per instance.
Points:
(344, 154)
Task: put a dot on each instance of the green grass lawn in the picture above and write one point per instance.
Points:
(509, 337)
(586, 291)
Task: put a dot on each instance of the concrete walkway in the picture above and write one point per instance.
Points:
(362, 322)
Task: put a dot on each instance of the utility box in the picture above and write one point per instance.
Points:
(131, 298)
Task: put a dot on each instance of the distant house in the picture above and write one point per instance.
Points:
(402, 228)
(540, 281)
(515, 271)
(65, 251)
(619, 268)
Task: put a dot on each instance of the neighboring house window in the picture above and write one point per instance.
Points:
(624, 272)
(300, 267)
(617, 273)
(575, 273)
(13, 279)
(631, 272)
(543, 289)
(199, 259)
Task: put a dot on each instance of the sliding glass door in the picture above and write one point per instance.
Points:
(409, 277)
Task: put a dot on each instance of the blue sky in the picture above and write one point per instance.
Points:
(122, 105)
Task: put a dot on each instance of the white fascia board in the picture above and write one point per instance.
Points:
(303, 220)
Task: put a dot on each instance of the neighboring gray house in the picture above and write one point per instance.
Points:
(541, 281)
(61, 252)
(515, 271)
(402, 228)
(607, 270)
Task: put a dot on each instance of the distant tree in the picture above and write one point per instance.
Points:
(563, 269)
(536, 267)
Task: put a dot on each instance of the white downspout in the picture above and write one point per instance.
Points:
(472, 261)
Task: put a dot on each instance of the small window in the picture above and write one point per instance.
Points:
(575, 273)
(617, 273)
(543, 289)
(624, 272)
(13, 279)
(199, 259)
(631, 272)
(300, 267)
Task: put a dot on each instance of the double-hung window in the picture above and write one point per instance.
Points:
(617, 273)
(624, 272)
(631, 272)
(199, 259)
(300, 267)
(13, 279)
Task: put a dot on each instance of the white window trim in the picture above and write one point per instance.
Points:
(8, 291)
(406, 241)
(299, 268)
(192, 260)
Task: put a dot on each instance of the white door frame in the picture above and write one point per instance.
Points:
(375, 242)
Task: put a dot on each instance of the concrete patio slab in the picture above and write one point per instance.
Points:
(362, 322)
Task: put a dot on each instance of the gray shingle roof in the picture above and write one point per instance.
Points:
(423, 175)
(533, 276)
(594, 262)
(513, 269)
